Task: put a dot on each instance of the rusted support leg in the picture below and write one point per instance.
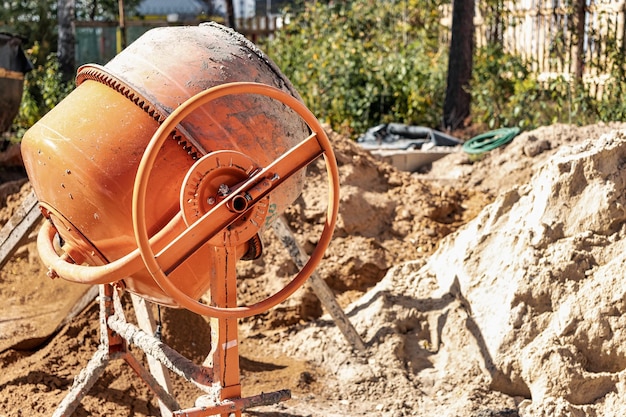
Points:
(224, 332)
(146, 322)
(229, 407)
(99, 361)
(226, 400)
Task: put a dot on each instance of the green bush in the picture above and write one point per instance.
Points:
(361, 63)
(358, 64)
(612, 106)
(505, 92)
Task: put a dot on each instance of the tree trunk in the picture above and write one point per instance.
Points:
(230, 14)
(122, 26)
(66, 42)
(579, 19)
(456, 106)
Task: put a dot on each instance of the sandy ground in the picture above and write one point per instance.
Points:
(482, 287)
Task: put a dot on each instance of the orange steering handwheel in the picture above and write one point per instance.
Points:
(211, 223)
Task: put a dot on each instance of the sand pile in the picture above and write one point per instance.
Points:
(386, 217)
(520, 312)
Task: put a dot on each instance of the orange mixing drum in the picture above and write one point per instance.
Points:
(83, 158)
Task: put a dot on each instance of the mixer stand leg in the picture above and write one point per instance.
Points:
(219, 376)
(112, 346)
(83, 383)
(223, 359)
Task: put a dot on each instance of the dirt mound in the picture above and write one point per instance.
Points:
(511, 310)
(520, 312)
(516, 163)
(386, 217)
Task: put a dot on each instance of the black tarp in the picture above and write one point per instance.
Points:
(13, 65)
(404, 137)
(12, 57)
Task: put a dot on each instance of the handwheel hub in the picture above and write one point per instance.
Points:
(209, 181)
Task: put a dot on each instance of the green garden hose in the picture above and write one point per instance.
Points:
(490, 140)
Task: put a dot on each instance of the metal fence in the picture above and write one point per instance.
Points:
(98, 42)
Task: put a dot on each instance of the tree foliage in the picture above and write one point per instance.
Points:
(361, 63)
(43, 89)
(35, 21)
(102, 10)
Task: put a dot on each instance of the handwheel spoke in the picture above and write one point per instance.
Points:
(297, 157)
(253, 189)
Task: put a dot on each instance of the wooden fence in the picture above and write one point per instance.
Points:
(573, 39)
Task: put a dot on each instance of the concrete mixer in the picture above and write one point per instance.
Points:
(163, 168)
